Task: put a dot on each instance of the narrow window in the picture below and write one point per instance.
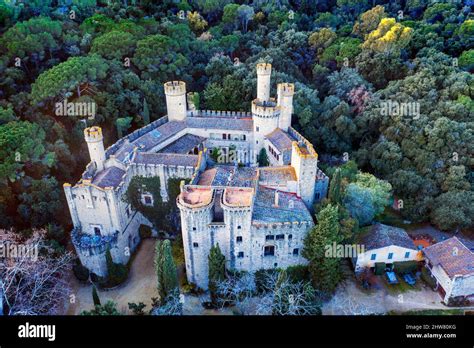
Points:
(239, 227)
(373, 256)
(296, 251)
(224, 136)
(269, 237)
(240, 254)
(290, 236)
(390, 256)
(195, 244)
(239, 239)
(258, 129)
(280, 236)
(407, 255)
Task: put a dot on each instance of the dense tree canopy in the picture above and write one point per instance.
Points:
(349, 59)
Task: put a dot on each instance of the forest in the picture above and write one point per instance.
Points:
(358, 67)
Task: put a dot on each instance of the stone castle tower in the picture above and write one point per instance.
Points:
(175, 92)
(95, 143)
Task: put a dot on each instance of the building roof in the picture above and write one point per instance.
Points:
(451, 255)
(109, 177)
(265, 211)
(152, 138)
(183, 145)
(166, 159)
(277, 175)
(380, 236)
(225, 123)
(280, 139)
(244, 177)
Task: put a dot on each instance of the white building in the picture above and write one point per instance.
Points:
(385, 244)
(452, 265)
(259, 216)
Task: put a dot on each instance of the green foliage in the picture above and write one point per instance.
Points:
(263, 158)
(165, 269)
(401, 267)
(216, 270)
(67, 76)
(110, 308)
(137, 309)
(114, 44)
(466, 60)
(334, 194)
(81, 272)
(116, 272)
(325, 271)
(298, 273)
(379, 268)
(144, 231)
(95, 296)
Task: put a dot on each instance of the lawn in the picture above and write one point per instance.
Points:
(401, 287)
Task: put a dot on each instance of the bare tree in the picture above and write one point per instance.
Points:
(343, 304)
(281, 296)
(237, 291)
(33, 280)
(173, 305)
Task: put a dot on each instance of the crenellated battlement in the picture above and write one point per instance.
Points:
(218, 113)
(93, 134)
(286, 89)
(266, 109)
(302, 147)
(176, 88)
(264, 68)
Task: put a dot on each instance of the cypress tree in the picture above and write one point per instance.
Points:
(335, 187)
(263, 158)
(146, 112)
(165, 270)
(95, 296)
(324, 268)
(216, 271)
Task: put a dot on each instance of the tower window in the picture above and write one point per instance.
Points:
(194, 228)
(195, 244)
(290, 236)
(224, 136)
(239, 239)
(269, 237)
(240, 254)
(244, 137)
(239, 227)
(269, 250)
(296, 251)
(280, 236)
(257, 129)
(147, 199)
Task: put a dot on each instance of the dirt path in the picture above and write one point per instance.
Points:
(139, 287)
(350, 299)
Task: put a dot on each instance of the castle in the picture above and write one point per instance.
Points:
(259, 216)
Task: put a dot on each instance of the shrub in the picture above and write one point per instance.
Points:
(402, 267)
(81, 272)
(144, 231)
(260, 279)
(298, 273)
(428, 278)
(379, 268)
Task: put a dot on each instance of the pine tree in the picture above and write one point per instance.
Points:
(165, 270)
(335, 187)
(216, 271)
(324, 269)
(263, 158)
(95, 296)
(146, 112)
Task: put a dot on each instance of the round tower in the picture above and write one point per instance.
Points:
(264, 71)
(285, 93)
(95, 143)
(175, 92)
(265, 116)
(196, 210)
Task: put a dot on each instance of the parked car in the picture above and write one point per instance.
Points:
(391, 277)
(409, 279)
